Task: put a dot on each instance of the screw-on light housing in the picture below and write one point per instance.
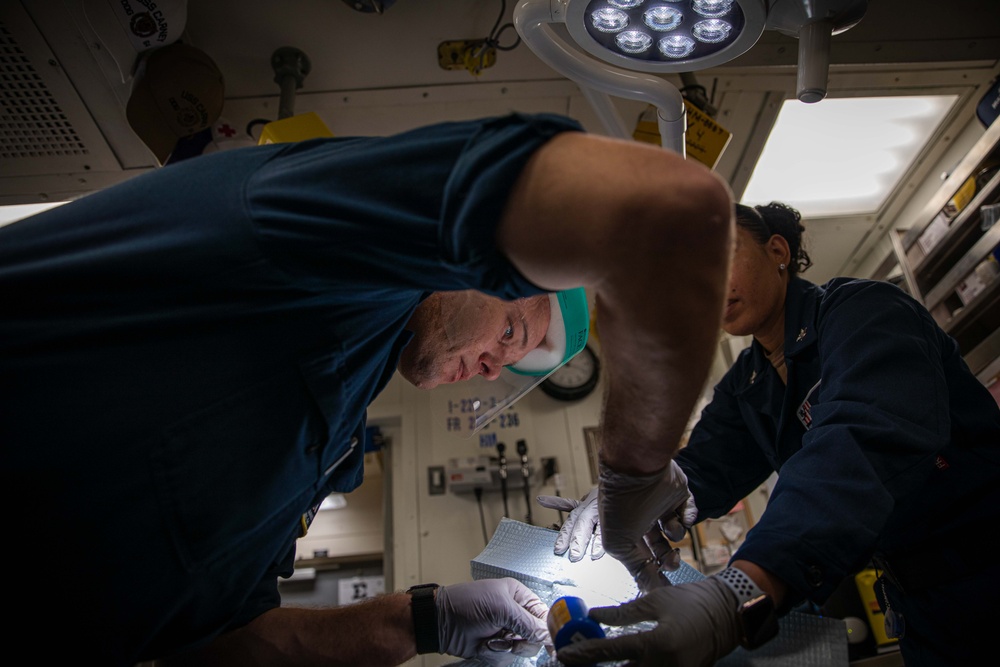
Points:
(813, 23)
(665, 36)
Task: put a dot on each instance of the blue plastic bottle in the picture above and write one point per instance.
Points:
(568, 622)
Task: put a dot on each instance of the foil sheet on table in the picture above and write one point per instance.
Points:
(524, 552)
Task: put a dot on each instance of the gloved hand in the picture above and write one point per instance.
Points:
(470, 614)
(676, 525)
(696, 625)
(583, 523)
(579, 527)
(635, 511)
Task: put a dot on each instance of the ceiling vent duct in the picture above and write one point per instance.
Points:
(51, 146)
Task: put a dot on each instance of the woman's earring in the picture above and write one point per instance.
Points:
(781, 267)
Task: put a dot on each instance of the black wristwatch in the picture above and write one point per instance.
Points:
(755, 614)
(758, 623)
(425, 618)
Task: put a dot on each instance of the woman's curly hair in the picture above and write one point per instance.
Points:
(776, 218)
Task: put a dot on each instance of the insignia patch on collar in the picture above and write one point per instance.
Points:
(804, 413)
(306, 520)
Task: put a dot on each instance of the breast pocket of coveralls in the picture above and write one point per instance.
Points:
(230, 475)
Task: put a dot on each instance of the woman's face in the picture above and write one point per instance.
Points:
(756, 298)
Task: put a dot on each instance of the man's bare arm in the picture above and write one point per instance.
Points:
(373, 632)
(649, 233)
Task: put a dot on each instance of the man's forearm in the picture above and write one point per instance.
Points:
(372, 632)
(649, 234)
(656, 365)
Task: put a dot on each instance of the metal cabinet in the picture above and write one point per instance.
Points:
(949, 259)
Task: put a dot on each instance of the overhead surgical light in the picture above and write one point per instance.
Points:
(681, 35)
(630, 41)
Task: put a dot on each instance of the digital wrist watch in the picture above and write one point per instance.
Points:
(425, 619)
(756, 616)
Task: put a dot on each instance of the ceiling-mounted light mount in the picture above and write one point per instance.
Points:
(678, 36)
(621, 45)
(665, 36)
(813, 22)
(599, 78)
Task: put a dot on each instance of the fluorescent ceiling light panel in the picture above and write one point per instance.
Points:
(844, 156)
(15, 212)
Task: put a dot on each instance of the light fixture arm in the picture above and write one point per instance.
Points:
(814, 61)
(597, 80)
(813, 22)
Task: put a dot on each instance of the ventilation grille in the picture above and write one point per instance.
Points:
(32, 124)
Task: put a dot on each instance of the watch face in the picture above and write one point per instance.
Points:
(758, 621)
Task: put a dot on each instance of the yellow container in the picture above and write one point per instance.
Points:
(296, 128)
(961, 198)
(865, 581)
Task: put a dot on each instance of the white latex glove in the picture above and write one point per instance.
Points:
(579, 527)
(503, 657)
(634, 512)
(696, 625)
(472, 613)
(583, 527)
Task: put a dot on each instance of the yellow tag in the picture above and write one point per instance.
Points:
(705, 139)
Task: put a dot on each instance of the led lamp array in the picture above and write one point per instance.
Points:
(664, 30)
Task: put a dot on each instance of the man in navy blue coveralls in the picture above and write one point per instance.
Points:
(186, 360)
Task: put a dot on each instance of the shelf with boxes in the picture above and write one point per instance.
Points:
(950, 259)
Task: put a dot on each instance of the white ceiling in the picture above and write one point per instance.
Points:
(376, 74)
(351, 50)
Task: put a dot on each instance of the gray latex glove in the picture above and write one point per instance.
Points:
(696, 625)
(472, 613)
(579, 527)
(634, 510)
(677, 523)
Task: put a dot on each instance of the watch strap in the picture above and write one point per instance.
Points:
(740, 583)
(425, 618)
(754, 611)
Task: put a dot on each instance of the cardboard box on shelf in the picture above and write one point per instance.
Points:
(934, 232)
(977, 280)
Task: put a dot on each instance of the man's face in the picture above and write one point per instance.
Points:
(461, 334)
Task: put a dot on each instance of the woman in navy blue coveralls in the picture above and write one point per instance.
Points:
(887, 447)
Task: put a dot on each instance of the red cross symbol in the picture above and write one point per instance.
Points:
(227, 130)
